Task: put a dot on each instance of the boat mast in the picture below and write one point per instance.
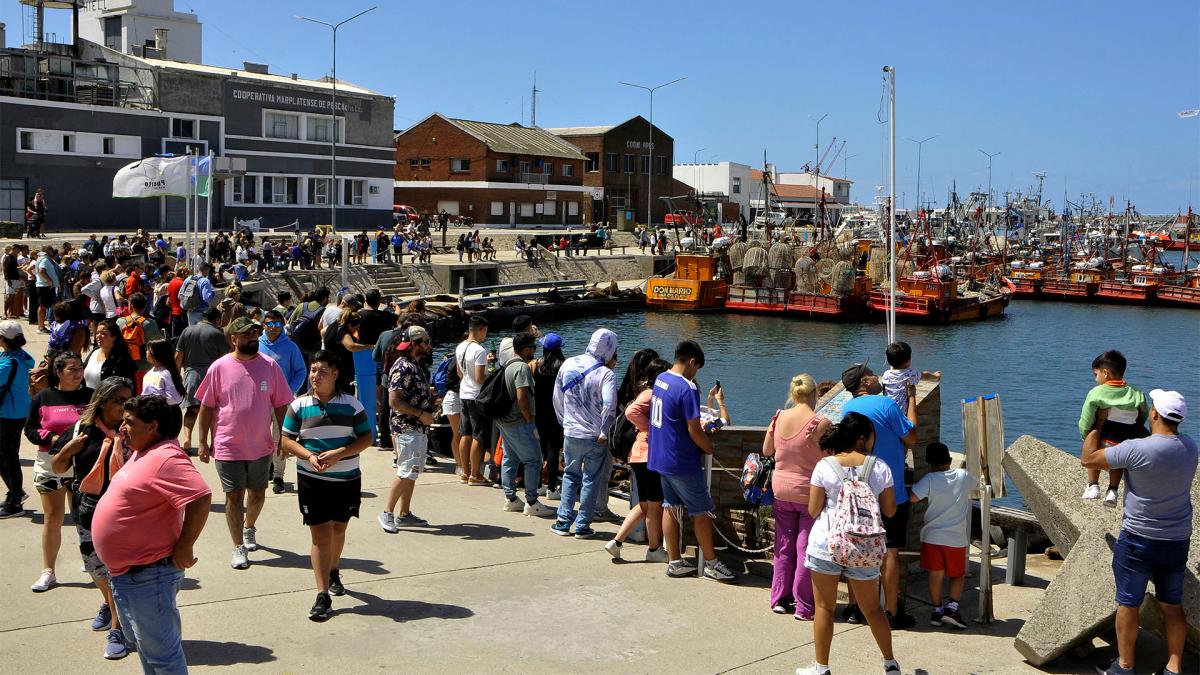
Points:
(890, 74)
(1187, 240)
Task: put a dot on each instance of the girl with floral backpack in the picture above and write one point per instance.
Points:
(849, 494)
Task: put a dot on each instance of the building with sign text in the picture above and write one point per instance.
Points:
(75, 113)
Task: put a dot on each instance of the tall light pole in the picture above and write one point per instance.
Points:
(920, 144)
(817, 145)
(696, 168)
(889, 80)
(334, 119)
(650, 150)
(846, 165)
(990, 155)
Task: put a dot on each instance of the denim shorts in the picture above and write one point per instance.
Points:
(830, 568)
(689, 491)
(412, 448)
(1137, 560)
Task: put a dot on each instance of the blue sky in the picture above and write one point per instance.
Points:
(1086, 91)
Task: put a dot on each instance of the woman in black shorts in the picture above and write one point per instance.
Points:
(326, 430)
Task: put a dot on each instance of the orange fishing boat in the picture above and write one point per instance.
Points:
(924, 298)
(698, 285)
(1186, 294)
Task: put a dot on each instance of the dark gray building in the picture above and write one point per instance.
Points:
(72, 114)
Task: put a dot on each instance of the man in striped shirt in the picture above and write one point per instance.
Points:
(326, 430)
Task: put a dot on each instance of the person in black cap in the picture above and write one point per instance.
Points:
(895, 433)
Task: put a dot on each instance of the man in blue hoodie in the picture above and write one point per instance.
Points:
(585, 399)
(15, 363)
(275, 343)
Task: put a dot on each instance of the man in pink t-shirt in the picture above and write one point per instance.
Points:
(145, 527)
(237, 398)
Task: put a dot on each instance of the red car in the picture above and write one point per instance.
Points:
(406, 213)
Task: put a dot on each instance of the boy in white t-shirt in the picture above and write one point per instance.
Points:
(944, 537)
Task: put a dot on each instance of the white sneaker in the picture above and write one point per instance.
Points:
(656, 554)
(556, 495)
(240, 561)
(388, 522)
(717, 571)
(249, 538)
(45, 582)
(614, 549)
(813, 670)
(1092, 491)
(681, 568)
(539, 510)
(542, 491)
(1110, 497)
(513, 505)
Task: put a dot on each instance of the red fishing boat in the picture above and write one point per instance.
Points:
(1186, 294)
(925, 298)
(1081, 284)
(1026, 278)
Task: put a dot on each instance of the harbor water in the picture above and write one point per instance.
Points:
(1037, 357)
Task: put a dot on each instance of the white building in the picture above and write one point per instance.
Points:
(128, 26)
(734, 181)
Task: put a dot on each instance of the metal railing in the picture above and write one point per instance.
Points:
(51, 77)
(536, 178)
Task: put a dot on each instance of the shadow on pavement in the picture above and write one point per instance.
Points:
(210, 653)
(469, 531)
(402, 610)
(297, 561)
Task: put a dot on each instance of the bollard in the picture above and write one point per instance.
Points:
(1014, 574)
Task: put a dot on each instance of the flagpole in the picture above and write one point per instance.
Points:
(208, 203)
(196, 202)
(187, 209)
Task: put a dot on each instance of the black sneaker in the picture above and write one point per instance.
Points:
(10, 510)
(852, 614)
(335, 583)
(277, 486)
(322, 609)
(935, 619)
(901, 622)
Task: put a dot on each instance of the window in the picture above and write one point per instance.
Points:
(612, 164)
(568, 169)
(572, 208)
(501, 167)
(630, 163)
(460, 165)
(108, 145)
(737, 185)
(497, 208)
(425, 164)
(68, 143)
(181, 128)
(660, 165)
(352, 192)
(593, 162)
(112, 32)
(245, 189)
(414, 163)
(645, 164)
(318, 129)
(524, 167)
(548, 168)
(282, 125)
(526, 209)
(26, 140)
(318, 191)
(284, 189)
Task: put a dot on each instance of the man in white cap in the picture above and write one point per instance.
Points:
(1156, 529)
(585, 399)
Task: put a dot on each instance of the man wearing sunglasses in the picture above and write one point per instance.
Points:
(275, 343)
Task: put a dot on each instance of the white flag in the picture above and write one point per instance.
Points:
(1190, 113)
(153, 177)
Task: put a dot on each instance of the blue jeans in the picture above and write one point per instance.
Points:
(601, 502)
(146, 602)
(521, 447)
(584, 461)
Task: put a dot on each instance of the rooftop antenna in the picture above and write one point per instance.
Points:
(533, 103)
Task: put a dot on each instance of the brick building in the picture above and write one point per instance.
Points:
(497, 174)
(619, 162)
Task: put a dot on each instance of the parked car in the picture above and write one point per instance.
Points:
(404, 213)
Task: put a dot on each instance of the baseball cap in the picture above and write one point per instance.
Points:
(411, 335)
(11, 330)
(852, 376)
(552, 341)
(242, 324)
(1170, 404)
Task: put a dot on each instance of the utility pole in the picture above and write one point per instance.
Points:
(533, 103)
(817, 146)
(989, 155)
(650, 148)
(920, 145)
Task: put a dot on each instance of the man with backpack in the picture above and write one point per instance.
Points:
(304, 325)
(895, 433)
(521, 447)
(196, 294)
(678, 442)
(197, 348)
(138, 330)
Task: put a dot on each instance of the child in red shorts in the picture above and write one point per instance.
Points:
(945, 534)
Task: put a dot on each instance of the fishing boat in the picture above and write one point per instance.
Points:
(1139, 287)
(1080, 284)
(924, 297)
(699, 284)
(1026, 278)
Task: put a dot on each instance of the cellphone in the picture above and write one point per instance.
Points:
(718, 382)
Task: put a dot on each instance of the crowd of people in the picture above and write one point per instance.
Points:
(145, 370)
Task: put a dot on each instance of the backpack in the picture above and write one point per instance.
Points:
(756, 479)
(856, 535)
(189, 295)
(303, 330)
(441, 377)
(135, 336)
(161, 311)
(622, 436)
(494, 396)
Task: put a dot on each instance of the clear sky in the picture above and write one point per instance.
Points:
(1087, 92)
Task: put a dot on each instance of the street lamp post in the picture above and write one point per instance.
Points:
(920, 145)
(817, 145)
(990, 155)
(334, 135)
(650, 150)
(696, 168)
